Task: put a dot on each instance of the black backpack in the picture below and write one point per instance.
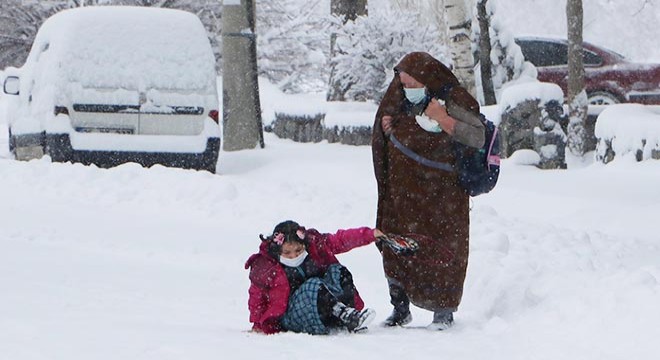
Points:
(478, 169)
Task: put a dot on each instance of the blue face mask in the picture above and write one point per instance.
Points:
(415, 95)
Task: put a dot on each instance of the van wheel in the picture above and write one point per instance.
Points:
(210, 158)
(206, 165)
(12, 143)
(210, 168)
(58, 146)
(603, 98)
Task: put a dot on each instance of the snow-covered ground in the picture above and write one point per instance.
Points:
(133, 263)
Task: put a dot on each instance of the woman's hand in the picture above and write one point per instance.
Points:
(435, 110)
(438, 113)
(386, 124)
(378, 233)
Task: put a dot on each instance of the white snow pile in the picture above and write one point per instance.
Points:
(88, 43)
(145, 264)
(310, 105)
(515, 94)
(629, 128)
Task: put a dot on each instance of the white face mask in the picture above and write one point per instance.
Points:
(415, 95)
(427, 124)
(296, 261)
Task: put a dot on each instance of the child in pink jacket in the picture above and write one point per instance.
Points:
(297, 283)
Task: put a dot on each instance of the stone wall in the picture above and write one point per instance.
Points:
(605, 151)
(628, 130)
(646, 150)
(537, 126)
(530, 125)
(303, 128)
(517, 127)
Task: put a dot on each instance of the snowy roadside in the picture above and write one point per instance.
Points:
(148, 264)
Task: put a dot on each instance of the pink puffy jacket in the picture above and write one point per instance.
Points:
(269, 286)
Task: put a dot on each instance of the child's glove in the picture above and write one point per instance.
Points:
(400, 245)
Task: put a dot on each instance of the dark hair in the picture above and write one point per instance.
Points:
(289, 230)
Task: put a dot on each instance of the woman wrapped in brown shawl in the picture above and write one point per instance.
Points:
(421, 200)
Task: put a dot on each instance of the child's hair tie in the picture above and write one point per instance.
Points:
(278, 238)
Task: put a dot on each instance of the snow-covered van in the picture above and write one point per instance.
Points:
(108, 85)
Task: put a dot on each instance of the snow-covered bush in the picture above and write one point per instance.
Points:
(369, 47)
(19, 22)
(508, 62)
(628, 130)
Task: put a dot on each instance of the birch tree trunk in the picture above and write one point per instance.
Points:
(577, 96)
(459, 23)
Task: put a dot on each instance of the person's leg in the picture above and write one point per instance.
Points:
(334, 313)
(340, 282)
(443, 319)
(354, 320)
(326, 302)
(347, 286)
(340, 288)
(401, 313)
(303, 313)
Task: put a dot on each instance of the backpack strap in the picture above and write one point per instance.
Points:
(444, 91)
(418, 158)
(493, 159)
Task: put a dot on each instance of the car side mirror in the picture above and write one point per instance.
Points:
(12, 85)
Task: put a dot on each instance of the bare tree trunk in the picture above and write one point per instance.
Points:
(577, 96)
(485, 64)
(349, 10)
(240, 94)
(459, 23)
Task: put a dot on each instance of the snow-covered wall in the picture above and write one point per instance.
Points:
(516, 94)
(628, 130)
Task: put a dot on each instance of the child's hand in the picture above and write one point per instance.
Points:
(378, 233)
